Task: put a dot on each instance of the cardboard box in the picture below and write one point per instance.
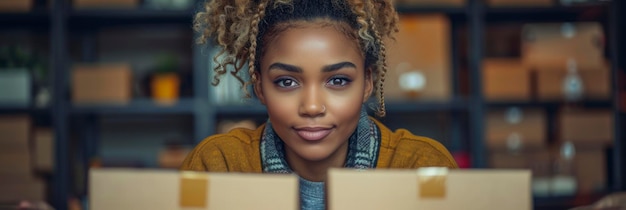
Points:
(169, 190)
(18, 188)
(16, 5)
(516, 128)
(443, 3)
(15, 163)
(426, 189)
(14, 133)
(102, 83)
(596, 85)
(591, 169)
(520, 3)
(592, 126)
(419, 59)
(14, 145)
(105, 4)
(506, 80)
(43, 160)
(536, 159)
(553, 45)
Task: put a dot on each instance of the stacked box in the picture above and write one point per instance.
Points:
(506, 79)
(16, 177)
(419, 59)
(102, 84)
(515, 128)
(568, 60)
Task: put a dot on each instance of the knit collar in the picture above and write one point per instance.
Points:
(363, 147)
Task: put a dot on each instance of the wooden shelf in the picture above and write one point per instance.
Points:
(450, 10)
(6, 108)
(137, 106)
(592, 12)
(584, 103)
(398, 107)
(31, 20)
(566, 202)
(253, 108)
(110, 17)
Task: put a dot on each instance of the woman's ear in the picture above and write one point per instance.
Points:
(258, 89)
(369, 84)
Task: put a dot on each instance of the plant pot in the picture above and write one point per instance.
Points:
(165, 87)
(15, 87)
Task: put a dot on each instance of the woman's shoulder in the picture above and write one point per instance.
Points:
(421, 150)
(235, 136)
(392, 139)
(223, 152)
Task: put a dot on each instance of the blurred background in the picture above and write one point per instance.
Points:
(532, 84)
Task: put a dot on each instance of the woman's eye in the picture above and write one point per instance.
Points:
(285, 83)
(338, 81)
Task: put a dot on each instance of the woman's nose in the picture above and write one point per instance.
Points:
(312, 104)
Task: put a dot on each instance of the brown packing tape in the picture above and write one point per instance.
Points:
(193, 190)
(431, 182)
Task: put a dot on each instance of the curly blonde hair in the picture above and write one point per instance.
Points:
(241, 27)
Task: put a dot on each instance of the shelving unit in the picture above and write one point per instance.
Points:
(138, 106)
(465, 111)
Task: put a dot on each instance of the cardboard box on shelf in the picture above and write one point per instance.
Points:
(419, 59)
(533, 159)
(15, 163)
(190, 190)
(19, 187)
(553, 45)
(105, 4)
(588, 126)
(506, 79)
(555, 83)
(102, 83)
(43, 152)
(520, 3)
(14, 144)
(15, 133)
(436, 3)
(429, 188)
(590, 169)
(16, 5)
(515, 128)
(538, 160)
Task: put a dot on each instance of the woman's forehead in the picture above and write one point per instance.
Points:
(297, 32)
(313, 40)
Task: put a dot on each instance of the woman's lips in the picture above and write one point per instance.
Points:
(313, 134)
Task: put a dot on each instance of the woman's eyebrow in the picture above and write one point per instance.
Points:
(327, 68)
(285, 67)
(337, 66)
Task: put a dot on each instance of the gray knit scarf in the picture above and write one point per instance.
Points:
(363, 147)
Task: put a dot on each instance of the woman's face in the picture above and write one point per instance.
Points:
(313, 82)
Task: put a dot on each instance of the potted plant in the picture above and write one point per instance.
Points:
(165, 82)
(17, 68)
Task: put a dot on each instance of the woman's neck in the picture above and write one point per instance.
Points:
(316, 171)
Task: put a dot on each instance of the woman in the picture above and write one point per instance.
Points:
(313, 64)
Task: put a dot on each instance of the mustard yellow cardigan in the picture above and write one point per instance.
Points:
(238, 151)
